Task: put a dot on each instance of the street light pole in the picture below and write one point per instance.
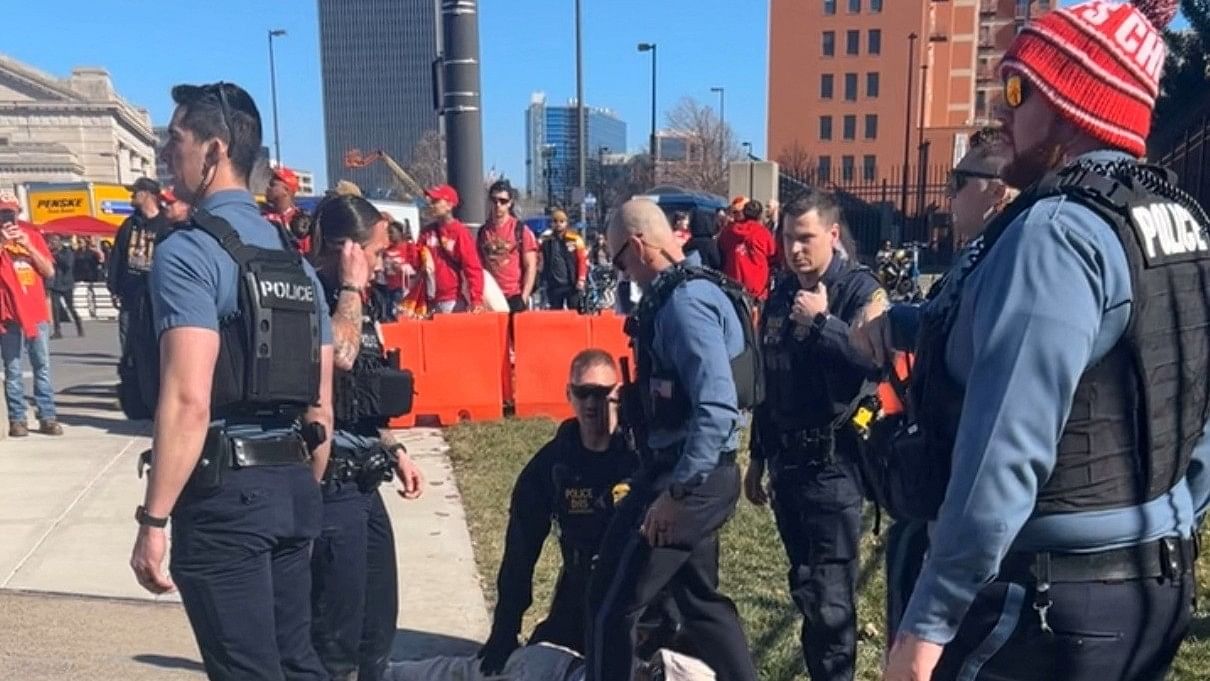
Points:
(581, 118)
(751, 168)
(907, 133)
(722, 125)
(654, 151)
(275, 33)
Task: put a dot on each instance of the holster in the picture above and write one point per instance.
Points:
(367, 468)
(217, 457)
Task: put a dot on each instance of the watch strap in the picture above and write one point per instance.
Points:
(144, 518)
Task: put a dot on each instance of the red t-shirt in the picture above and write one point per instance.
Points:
(748, 249)
(393, 260)
(498, 250)
(22, 291)
(454, 259)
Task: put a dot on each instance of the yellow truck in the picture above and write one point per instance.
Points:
(51, 201)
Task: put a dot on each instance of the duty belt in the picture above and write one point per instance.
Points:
(666, 458)
(1169, 557)
(288, 450)
(807, 447)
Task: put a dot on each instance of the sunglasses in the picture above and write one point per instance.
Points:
(588, 391)
(959, 178)
(501, 200)
(617, 258)
(1016, 90)
(220, 90)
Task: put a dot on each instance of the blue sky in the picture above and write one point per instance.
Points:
(526, 45)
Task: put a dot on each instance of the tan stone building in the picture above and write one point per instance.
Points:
(69, 130)
(839, 80)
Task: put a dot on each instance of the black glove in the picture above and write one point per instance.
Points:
(495, 653)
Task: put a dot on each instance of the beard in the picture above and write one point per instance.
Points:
(1031, 165)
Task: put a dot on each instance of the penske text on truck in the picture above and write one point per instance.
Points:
(107, 202)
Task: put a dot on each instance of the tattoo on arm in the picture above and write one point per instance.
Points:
(346, 330)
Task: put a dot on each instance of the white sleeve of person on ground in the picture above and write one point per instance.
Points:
(541, 662)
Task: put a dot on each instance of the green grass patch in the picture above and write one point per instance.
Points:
(488, 457)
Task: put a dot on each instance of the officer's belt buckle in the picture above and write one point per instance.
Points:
(288, 450)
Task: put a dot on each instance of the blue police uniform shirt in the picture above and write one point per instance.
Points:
(1048, 301)
(194, 282)
(688, 329)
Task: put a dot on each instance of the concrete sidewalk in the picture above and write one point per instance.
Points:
(67, 527)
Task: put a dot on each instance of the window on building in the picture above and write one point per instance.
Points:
(826, 83)
(871, 126)
(829, 7)
(981, 104)
(854, 6)
(852, 43)
(869, 165)
(825, 127)
(875, 6)
(850, 87)
(825, 168)
(829, 43)
(850, 127)
(847, 166)
(872, 84)
(875, 41)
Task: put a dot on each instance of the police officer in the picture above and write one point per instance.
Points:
(802, 434)
(354, 596)
(573, 481)
(1064, 373)
(229, 463)
(665, 532)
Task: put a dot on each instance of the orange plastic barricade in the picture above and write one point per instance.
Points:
(405, 336)
(544, 345)
(606, 331)
(458, 375)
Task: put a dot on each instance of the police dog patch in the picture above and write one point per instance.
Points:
(1168, 233)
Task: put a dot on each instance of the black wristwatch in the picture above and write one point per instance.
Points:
(143, 518)
(396, 449)
(350, 289)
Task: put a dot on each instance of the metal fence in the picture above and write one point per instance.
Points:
(1187, 157)
(874, 210)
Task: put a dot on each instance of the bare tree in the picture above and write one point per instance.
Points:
(426, 163)
(797, 162)
(709, 146)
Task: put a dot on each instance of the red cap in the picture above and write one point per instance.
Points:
(739, 202)
(1098, 64)
(442, 192)
(168, 196)
(287, 177)
(8, 201)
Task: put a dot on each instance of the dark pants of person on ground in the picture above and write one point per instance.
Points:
(241, 559)
(123, 326)
(1100, 631)
(64, 308)
(906, 543)
(817, 505)
(630, 574)
(563, 298)
(354, 584)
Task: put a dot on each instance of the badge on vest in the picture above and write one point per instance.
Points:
(1168, 234)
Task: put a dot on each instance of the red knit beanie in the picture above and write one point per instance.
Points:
(1098, 63)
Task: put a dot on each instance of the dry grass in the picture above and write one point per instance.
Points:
(488, 457)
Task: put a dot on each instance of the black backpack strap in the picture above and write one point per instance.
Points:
(222, 232)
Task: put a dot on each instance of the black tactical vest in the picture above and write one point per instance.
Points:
(268, 361)
(376, 389)
(1138, 412)
(665, 403)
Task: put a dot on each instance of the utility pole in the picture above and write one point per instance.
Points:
(654, 151)
(907, 132)
(722, 126)
(460, 107)
(921, 157)
(275, 33)
(581, 118)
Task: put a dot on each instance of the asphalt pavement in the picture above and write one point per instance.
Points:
(70, 607)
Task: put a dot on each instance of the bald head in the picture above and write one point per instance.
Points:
(641, 218)
(641, 229)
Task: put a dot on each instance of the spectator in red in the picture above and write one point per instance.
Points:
(25, 264)
(508, 249)
(282, 211)
(457, 271)
(748, 250)
(400, 262)
(564, 264)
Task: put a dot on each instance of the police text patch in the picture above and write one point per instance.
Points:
(1168, 234)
